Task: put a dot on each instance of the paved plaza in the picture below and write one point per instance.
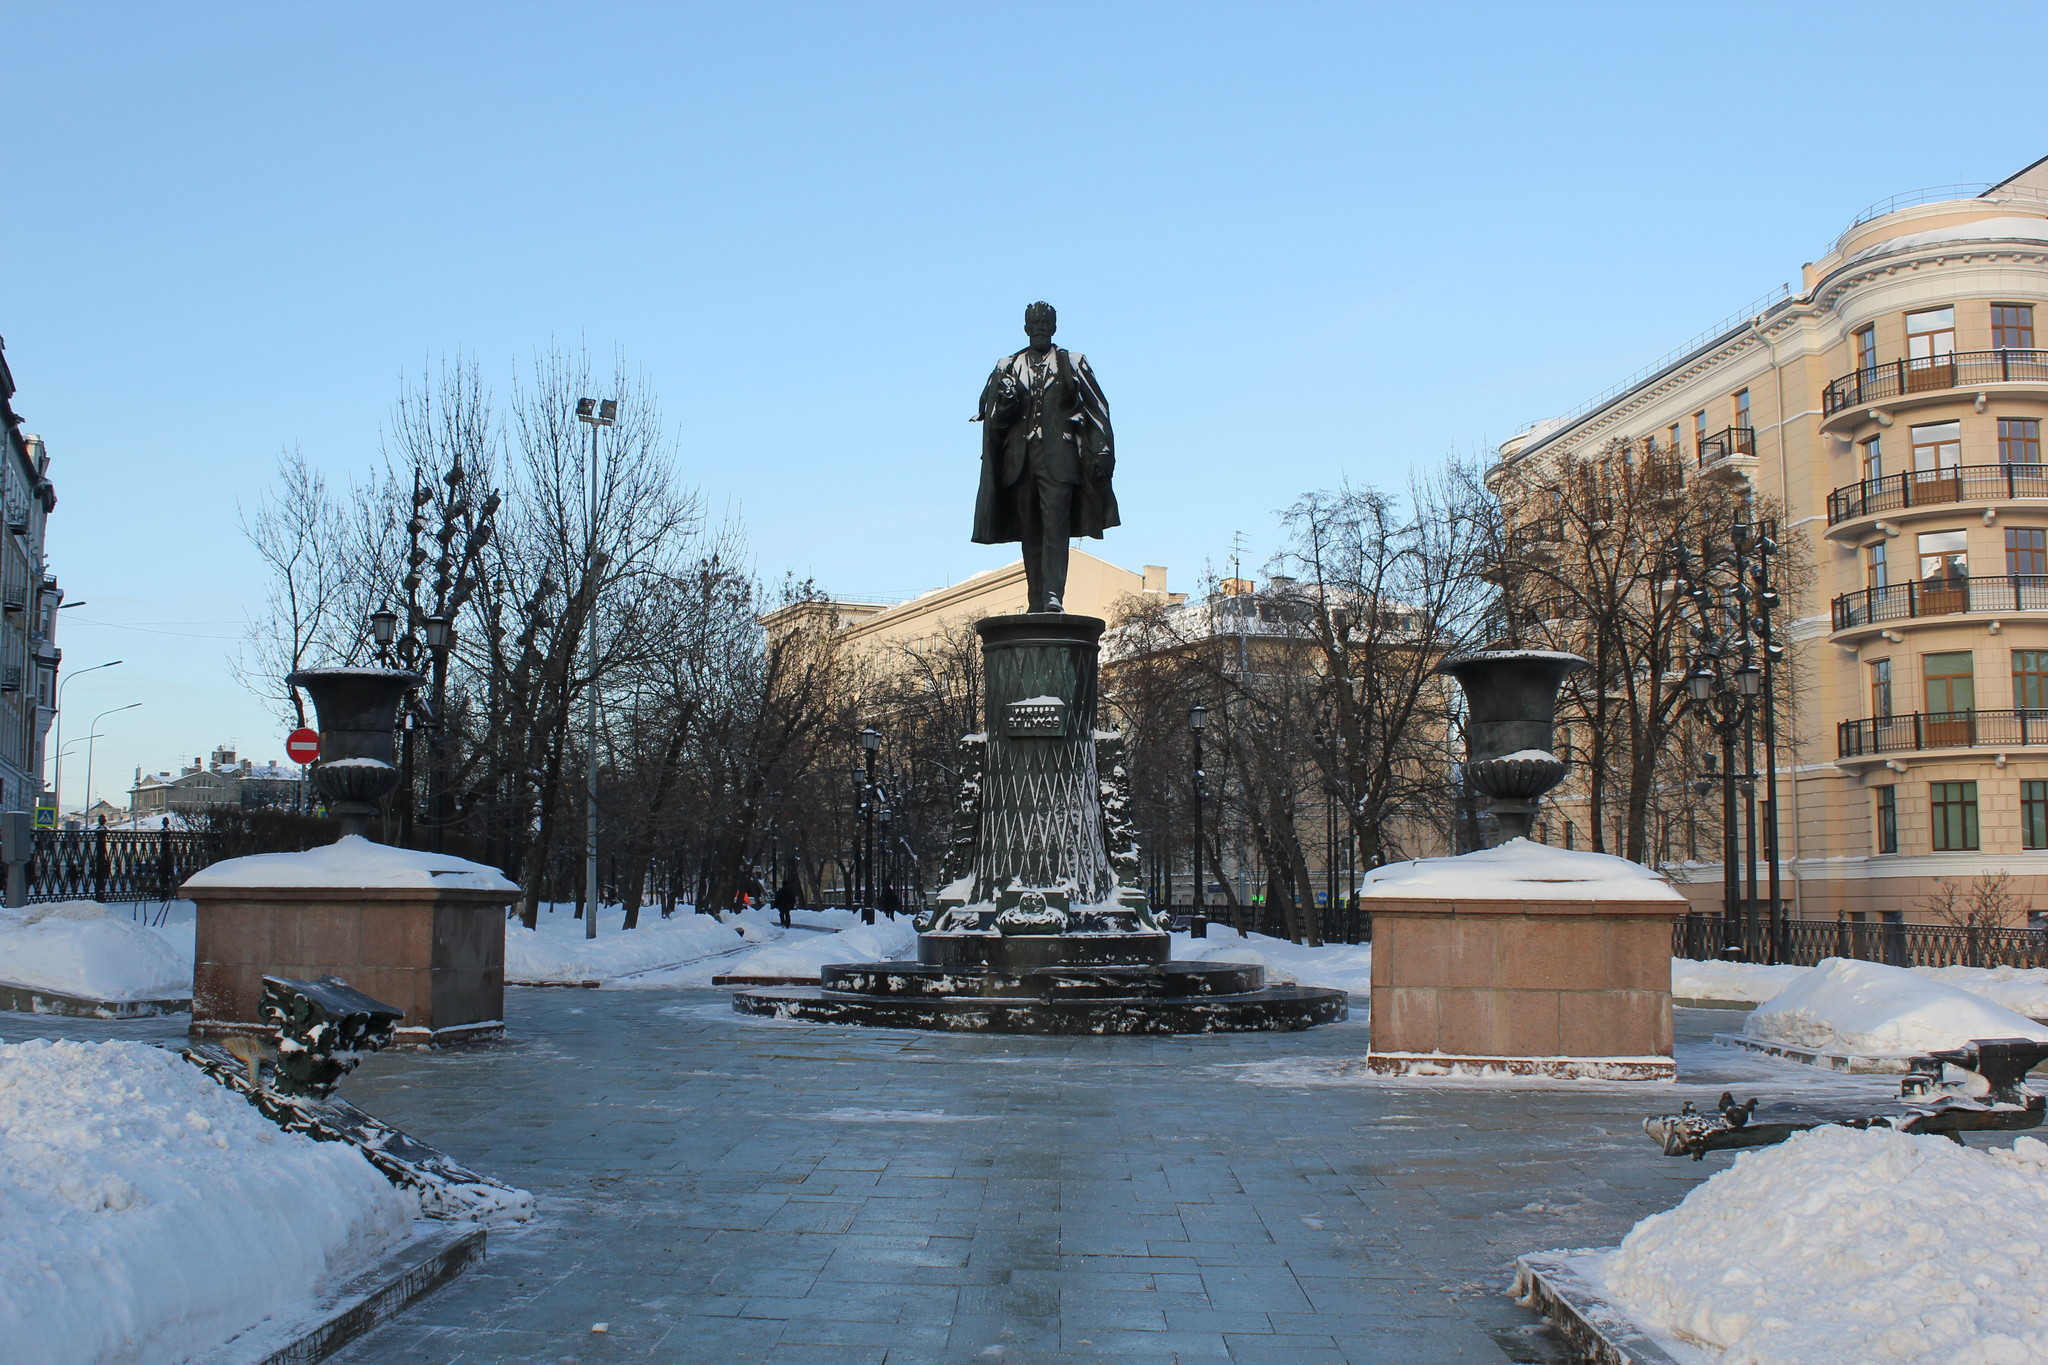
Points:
(719, 1189)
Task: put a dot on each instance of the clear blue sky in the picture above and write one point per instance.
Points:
(1299, 242)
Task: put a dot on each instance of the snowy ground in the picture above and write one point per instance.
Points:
(2021, 989)
(1842, 1247)
(147, 1214)
(677, 951)
(98, 952)
(1346, 967)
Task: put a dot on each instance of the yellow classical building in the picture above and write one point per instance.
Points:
(1894, 405)
(1095, 587)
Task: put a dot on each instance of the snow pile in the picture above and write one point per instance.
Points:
(354, 861)
(2021, 989)
(801, 955)
(1344, 966)
(1842, 1247)
(147, 1214)
(556, 949)
(81, 948)
(1869, 1009)
(1751, 981)
(1520, 870)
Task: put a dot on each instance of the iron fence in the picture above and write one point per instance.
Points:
(1932, 487)
(1923, 374)
(111, 865)
(1803, 943)
(1940, 597)
(1726, 442)
(1348, 923)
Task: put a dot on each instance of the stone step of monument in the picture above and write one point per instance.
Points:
(1271, 1009)
(1024, 952)
(1170, 979)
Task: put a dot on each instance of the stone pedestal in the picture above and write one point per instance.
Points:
(432, 945)
(1524, 960)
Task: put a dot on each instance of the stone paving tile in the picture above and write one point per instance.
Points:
(723, 1190)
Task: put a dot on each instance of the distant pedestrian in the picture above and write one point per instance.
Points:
(785, 900)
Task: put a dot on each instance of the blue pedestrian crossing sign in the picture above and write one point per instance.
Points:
(46, 817)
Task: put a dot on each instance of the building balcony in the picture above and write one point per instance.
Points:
(1933, 375)
(1937, 488)
(1882, 735)
(1932, 597)
(1729, 444)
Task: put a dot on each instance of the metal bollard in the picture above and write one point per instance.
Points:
(17, 845)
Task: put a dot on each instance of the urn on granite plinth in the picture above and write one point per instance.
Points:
(358, 711)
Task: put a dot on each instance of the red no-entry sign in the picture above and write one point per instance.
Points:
(303, 745)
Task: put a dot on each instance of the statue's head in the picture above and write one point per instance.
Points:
(1040, 322)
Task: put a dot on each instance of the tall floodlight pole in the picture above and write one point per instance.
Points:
(57, 778)
(92, 733)
(1198, 922)
(597, 414)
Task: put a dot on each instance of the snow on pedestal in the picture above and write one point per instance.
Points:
(1523, 960)
(423, 932)
(146, 1214)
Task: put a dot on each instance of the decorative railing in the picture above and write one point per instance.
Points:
(1958, 369)
(110, 865)
(1803, 942)
(1725, 442)
(1940, 730)
(1927, 487)
(1940, 597)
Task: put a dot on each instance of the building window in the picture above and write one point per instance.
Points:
(2019, 440)
(1953, 806)
(2034, 815)
(1950, 682)
(1930, 335)
(1937, 446)
(1677, 445)
(1866, 348)
(1874, 559)
(1888, 819)
(1873, 458)
(1944, 555)
(2012, 327)
(1742, 408)
(2030, 679)
(2026, 551)
(1881, 688)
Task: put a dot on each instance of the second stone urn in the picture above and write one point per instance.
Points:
(358, 711)
(1511, 722)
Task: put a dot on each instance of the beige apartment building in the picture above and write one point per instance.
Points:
(1894, 404)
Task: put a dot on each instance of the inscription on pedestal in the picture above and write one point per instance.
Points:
(1046, 716)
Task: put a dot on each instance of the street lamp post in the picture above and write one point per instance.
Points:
(57, 778)
(596, 414)
(440, 639)
(91, 735)
(1198, 921)
(870, 743)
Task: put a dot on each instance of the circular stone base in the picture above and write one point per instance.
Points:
(1023, 952)
(1270, 1009)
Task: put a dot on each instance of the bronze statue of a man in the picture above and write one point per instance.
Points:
(1047, 457)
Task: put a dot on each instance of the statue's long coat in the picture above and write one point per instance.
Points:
(1004, 456)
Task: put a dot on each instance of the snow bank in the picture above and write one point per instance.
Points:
(146, 1214)
(1344, 966)
(1520, 870)
(1749, 981)
(556, 950)
(354, 861)
(801, 955)
(1842, 1247)
(81, 948)
(2021, 989)
(1870, 1009)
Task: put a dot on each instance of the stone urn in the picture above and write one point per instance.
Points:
(1511, 721)
(358, 710)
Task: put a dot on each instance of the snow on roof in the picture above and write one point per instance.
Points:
(354, 861)
(1519, 870)
(2002, 228)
